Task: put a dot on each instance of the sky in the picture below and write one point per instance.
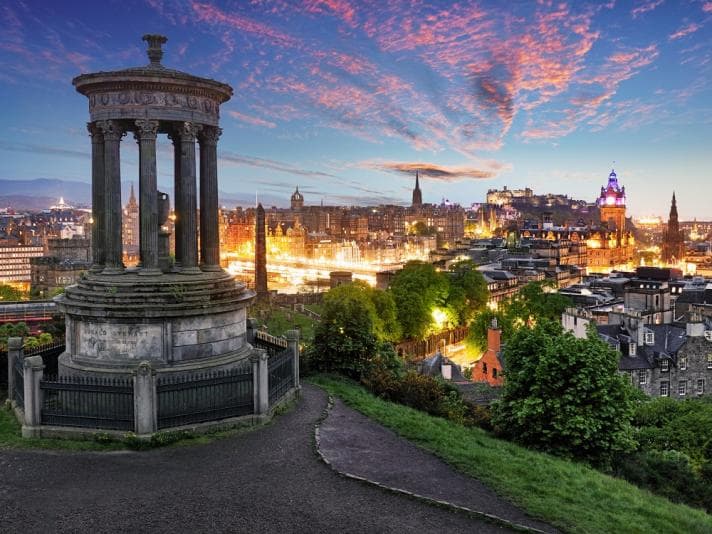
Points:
(347, 99)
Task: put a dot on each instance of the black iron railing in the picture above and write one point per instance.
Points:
(88, 402)
(206, 397)
(272, 344)
(281, 375)
(19, 385)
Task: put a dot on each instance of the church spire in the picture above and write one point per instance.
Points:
(417, 193)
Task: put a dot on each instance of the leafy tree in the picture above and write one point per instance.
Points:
(468, 290)
(564, 395)
(533, 303)
(386, 323)
(9, 330)
(345, 339)
(417, 290)
(9, 293)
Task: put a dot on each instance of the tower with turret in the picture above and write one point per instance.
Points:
(611, 204)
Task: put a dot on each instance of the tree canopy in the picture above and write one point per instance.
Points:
(9, 293)
(564, 395)
(355, 320)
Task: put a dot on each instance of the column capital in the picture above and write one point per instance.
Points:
(96, 134)
(210, 135)
(112, 130)
(146, 129)
(188, 131)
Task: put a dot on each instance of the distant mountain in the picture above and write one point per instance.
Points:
(41, 193)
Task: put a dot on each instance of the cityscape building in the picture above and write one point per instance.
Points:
(673, 248)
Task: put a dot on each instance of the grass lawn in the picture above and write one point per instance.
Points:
(571, 496)
(278, 323)
(11, 437)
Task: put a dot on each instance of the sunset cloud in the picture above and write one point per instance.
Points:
(684, 31)
(645, 7)
(430, 170)
(249, 119)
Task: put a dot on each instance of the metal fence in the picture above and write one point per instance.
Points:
(19, 382)
(281, 375)
(272, 344)
(207, 397)
(88, 402)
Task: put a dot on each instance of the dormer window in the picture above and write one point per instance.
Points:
(649, 338)
(632, 347)
(665, 366)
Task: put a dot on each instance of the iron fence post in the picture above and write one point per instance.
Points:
(145, 403)
(33, 371)
(260, 379)
(14, 352)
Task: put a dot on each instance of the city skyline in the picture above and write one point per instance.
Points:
(347, 100)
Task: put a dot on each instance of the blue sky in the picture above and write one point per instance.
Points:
(347, 99)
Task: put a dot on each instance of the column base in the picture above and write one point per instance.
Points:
(190, 270)
(211, 268)
(96, 268)
(153, 271)
(113, 270)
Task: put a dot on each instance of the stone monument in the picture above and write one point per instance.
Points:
(260, 252)
(182, 316)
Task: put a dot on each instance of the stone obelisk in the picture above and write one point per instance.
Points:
(260, 253)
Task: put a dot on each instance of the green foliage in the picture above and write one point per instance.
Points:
(564, 395)
(417, 289)
(9, 330)
(468, 290)
(345, 339)
(8, 293)
(421, 229)
(531, 304)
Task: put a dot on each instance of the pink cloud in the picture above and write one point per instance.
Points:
(213, 15)
(342, 8)
(684, 31)
(249, 119)
(707, 7)
(645, 7)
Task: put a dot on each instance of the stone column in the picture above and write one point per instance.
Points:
(188, 204)
(145, 135)
(260, 381)
(260, 252)
(293, 344)
(209, 231)
(113, 132)
(177, 197)
(145, 402)
(34, 369)
(98, 229)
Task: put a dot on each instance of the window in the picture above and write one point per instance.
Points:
(682, 388)
(649, 338)
(664, 388)
(709, 361)
(631, 376)
(484, 368)
(700, 386)
(642, 377)
(632, 348)
(664, 366)
(683, 363)
(494, 372)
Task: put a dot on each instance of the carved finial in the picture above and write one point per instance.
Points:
(155, 53)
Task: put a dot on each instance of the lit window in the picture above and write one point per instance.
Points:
(649, 338)
(665, 388)
(632, 348)
(683, 362)
(665, 366)
(682, 388)
(642, 377)
(709, 361)
(700, 386)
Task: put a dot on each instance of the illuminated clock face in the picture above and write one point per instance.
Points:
(610, 201)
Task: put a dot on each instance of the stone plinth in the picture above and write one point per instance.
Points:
(179, 324)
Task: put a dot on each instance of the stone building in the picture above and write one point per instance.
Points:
(64, 264)
(664, 360)
(130, 230)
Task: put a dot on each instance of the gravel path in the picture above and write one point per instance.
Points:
(354, 444)
(266, 480)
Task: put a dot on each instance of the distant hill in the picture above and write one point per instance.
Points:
(41, 193)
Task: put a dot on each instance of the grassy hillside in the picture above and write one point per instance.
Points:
(570, 496)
